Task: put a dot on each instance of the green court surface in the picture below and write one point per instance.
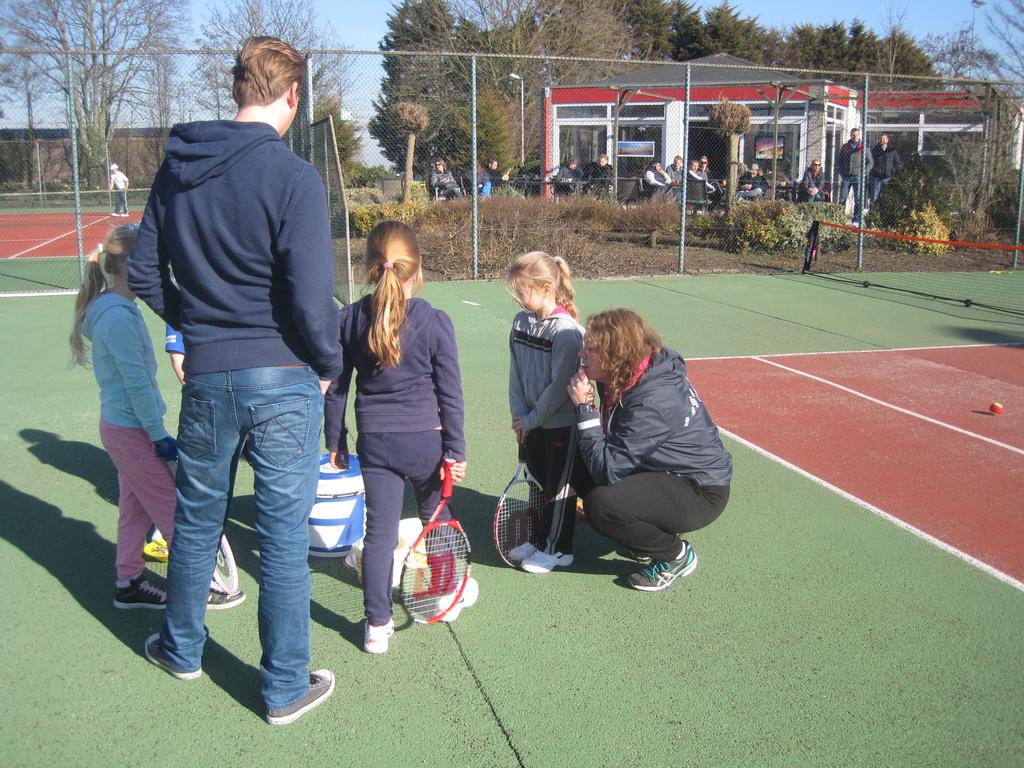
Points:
(814, 633)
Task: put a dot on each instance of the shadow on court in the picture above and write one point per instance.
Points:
(82, 561)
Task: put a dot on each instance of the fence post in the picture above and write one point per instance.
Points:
(684, 182)
(863, 182)
(307, 112)
(472, 168)
(110, 194)
(73, 131)
(39, 173)
(1020, 206)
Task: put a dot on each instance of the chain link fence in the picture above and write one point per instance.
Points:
(624, 168)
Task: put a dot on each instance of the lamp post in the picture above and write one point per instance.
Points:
(975, 5)
(522, 117)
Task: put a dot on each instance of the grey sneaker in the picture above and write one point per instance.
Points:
(156, 655)
(321, 686)
(221, 601)
(660, 574)
(140, 594)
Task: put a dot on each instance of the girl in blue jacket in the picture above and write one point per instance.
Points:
(409, 408)
(131, 411)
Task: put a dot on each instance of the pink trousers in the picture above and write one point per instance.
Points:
(146, 494)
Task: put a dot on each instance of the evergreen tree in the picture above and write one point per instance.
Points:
(436, 82)
(650, 22)
(727, 32)
(688, 38)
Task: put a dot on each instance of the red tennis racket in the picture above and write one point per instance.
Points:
(517, 516)
(437, 567)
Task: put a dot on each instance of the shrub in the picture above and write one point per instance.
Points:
(915, 187)
(926, 223)
(368, 175)
(365, 217)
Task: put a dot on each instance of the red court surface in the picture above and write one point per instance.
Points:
(907, 431)
(41, 235)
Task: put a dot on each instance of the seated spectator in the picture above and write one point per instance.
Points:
(483, 181)
(657, 180)
(443, 183)
(752, 184)
(602, 177)
(698, 190)
(677, 171)
(494, 174)
(567, 178)
(812, 185)
(714, 197)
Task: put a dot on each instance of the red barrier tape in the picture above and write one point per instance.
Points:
(894, 236)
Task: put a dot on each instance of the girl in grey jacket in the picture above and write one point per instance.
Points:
(544, 347)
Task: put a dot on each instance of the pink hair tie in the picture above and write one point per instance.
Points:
(388, 265)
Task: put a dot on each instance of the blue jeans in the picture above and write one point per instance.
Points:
(879, 185)
(279, 411)
(848, 183)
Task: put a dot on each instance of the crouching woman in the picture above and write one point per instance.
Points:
(658, 465)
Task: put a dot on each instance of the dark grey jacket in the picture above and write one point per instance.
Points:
(660, 425)
(849, 159)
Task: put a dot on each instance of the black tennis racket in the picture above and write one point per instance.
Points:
(437, 567)
(517, 517)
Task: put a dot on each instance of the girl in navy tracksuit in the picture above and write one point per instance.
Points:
(409, 408)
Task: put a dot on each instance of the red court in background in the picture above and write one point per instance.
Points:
(53, 233)
(907, 431)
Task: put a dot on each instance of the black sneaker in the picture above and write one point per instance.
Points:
(660, 574)
(629, 554)
(321, 686)
(156, 655)
(140, 594)
(221, 601)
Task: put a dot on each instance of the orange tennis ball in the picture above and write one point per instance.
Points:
(996, 408)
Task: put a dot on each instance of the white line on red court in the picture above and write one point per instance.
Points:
(857, 351)
(970, 559)
(894, 407)
(58, 237)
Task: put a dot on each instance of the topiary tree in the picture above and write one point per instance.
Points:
(412, 119)
(731, 120)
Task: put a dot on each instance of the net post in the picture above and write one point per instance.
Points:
(474, 225)
(1020, 204)
(75, 181)
(686, 178)
(862, 182)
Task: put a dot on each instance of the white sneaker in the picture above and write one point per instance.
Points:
(522, 552)
(470, 594)
(375, 639)
(542, 562)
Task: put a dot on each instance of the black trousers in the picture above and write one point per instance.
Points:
(647, 511)
(553, 457)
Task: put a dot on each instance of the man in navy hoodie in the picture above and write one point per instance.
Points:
(243, 224)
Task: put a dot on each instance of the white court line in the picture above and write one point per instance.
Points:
(969, 559)
(58, 237)
(856, 351)
(471, 303)
(897, 408)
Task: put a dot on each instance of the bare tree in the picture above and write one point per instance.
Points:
(1007, 26)
(95, 52)
(228, 25)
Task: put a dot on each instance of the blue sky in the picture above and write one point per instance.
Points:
(361, 25)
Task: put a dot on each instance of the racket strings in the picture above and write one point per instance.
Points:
(518, 520)
(440, 567)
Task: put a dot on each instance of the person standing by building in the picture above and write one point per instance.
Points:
(243, 223)
(119, 183)
(887, 164)
(849, 169)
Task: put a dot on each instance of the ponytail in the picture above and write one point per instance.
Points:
(93, 284)
(564, 294)
(392, 261)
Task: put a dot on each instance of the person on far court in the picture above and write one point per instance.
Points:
(658, 464)
(119, 183)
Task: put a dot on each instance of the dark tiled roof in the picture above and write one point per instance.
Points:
(716, 69)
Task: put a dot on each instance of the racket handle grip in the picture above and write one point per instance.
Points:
(446, 480)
